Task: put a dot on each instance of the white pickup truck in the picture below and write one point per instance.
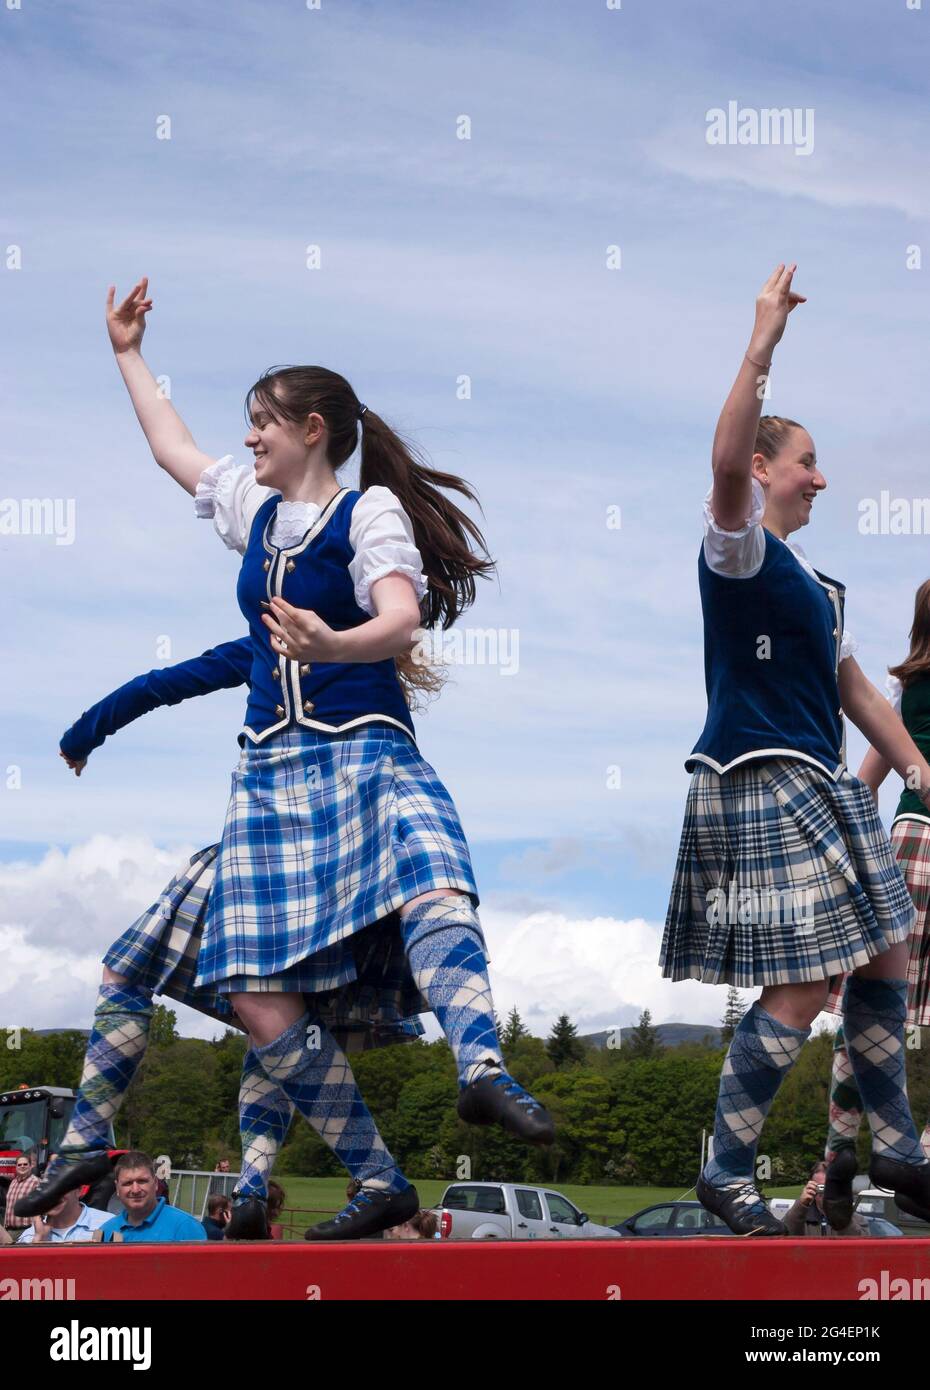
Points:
(513, 1211)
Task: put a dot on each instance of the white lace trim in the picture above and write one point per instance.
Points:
(215, 498)
(383, 560)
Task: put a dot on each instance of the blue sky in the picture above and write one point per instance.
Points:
(591, 388)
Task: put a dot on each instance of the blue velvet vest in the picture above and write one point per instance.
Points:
(776, 697)
(328, 696)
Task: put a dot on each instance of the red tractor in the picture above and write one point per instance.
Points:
(33, 1119)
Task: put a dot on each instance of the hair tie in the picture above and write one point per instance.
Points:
(361, 410)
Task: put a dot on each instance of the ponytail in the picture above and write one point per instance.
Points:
(451, 546)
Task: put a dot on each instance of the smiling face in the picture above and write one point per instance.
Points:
(282, 449)
(23, 1166)
(791, 480)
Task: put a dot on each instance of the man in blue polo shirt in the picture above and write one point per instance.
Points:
(145, 1215)
(68, 1220)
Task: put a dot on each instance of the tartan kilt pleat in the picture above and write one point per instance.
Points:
(910, 841)
(159, 952)
(783, 875)
(324, 835)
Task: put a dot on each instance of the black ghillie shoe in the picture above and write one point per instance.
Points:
(910, 1183)
(60, 1177)
(838, 1201)
(741, 1205)
(370, 1212)
(249, 1220)
(501, 1100)
(912, 1208)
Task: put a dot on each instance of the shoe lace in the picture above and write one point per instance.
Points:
(515, 1091)
(361, 1200)
(747, 1195)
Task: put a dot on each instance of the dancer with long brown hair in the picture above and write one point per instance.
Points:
(336, 821)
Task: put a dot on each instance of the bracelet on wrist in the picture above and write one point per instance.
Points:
(765, 366)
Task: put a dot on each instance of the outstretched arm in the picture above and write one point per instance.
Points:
(220, 668)
(735, 437)
(170, 441)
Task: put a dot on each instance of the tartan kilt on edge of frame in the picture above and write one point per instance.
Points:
(910, 840)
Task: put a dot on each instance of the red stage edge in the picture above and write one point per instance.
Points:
(624, 1270)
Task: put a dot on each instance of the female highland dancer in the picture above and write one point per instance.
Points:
(335, 821)
(785, 876)
(158, 953)
(908, 689)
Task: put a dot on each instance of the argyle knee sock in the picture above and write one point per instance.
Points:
(761, 1054)
(874, 1012)
(114, 1050)
(264, 1118)
(314, 1073)
(445, 951)
(845, 1101)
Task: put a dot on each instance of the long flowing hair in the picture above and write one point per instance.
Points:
(452, 547)
(917, 661)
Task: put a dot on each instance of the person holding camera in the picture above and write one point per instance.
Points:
(807, 1217)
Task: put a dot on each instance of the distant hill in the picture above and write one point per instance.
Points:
(669, 1035)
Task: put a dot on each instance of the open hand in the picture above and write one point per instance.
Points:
(126, 322)
(299, 635)
(775, 301)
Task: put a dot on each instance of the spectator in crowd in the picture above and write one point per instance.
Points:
(806, 1217)
(145, 1215)
(219, 1210)
(276, 1199)
(23, 1183)
(422, 1226)
(162, 1174)
(221, 1181)
(70, 1219)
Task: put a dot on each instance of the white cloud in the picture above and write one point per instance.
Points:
(60, 915)
(601, 971)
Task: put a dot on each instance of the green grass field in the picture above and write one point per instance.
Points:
(605, 1205)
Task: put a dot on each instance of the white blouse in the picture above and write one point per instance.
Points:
(894, 690)
(380, 532)
(739, 554)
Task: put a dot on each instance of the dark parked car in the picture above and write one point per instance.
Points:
(669, 1220)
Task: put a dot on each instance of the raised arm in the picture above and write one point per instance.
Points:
(170, 441)
(735, 437)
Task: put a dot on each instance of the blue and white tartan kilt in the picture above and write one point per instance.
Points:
(324, 835)
(159, 953)
(783, 876)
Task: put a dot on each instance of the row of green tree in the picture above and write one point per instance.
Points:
(631, 1114)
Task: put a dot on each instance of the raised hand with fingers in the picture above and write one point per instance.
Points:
(774, 303)
(126, 321)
